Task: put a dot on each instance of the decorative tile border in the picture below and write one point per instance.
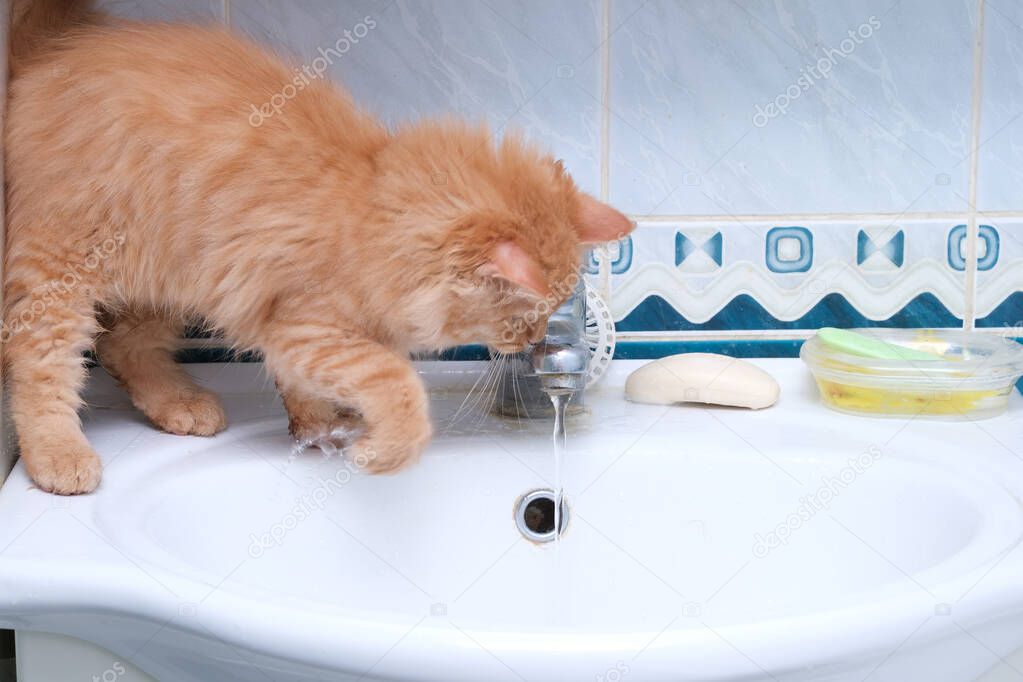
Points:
(747, 276)
(999, 291)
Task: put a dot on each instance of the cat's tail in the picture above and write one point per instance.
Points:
(37, 23)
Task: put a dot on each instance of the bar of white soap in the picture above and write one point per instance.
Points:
(702, 378)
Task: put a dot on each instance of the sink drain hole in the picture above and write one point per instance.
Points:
(534, 515)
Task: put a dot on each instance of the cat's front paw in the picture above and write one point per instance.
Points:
(189, 413)
(339, 428)
(397, 448)
(65, 470)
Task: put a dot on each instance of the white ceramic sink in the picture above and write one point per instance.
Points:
(231, 559)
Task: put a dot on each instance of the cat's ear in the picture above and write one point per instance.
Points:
(596, 222)
(511, 262)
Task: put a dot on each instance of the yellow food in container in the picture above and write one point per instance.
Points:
(970, 376)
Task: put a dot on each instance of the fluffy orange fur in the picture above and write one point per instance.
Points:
(141, 196)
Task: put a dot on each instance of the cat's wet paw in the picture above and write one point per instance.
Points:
(399, 451)
(337, 431)
(71, 470)
(190, 413)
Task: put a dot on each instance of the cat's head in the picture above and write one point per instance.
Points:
(506, 227)
(511, 270)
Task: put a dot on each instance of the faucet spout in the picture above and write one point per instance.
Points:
(561, 367)
(556, 365)
(561, 358)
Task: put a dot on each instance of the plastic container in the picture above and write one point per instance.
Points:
(971, 376)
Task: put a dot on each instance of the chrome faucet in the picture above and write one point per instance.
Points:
(556, 365)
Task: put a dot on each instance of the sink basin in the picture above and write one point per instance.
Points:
(703, 544)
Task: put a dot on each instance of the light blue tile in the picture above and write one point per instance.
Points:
(738, 275)
(886, 131)
(165, 10)
(1000, 178)
(528, 64)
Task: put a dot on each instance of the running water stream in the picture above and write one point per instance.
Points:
(560, 403)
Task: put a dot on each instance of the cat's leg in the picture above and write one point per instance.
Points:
(45, 333)
(312, 419)
(138, 350)
(340, 368)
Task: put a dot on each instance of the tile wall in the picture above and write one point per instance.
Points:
(791, 163)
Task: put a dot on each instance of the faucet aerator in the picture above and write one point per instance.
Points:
(561, 368)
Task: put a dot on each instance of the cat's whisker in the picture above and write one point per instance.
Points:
(468, 404)
(479, 405)
(517, 398)
(465, 407)
(499, 375)
(491, 388)
(480, 393)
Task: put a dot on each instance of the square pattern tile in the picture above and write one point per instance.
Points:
(771, 276)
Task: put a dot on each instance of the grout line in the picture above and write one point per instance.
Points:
(603, 255)
(970, 288)
(818, 217)
(1002, 331)
(605, 104)
(716, 335)
(754, 335)
(738, 335)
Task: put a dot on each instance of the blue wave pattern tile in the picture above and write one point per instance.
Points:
(760, 276)
(805, 106)
(644, 350)
(528, 65)
(1000, 179)
(166, 10)
(999, 297)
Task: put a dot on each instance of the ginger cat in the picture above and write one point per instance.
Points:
(141, 195)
